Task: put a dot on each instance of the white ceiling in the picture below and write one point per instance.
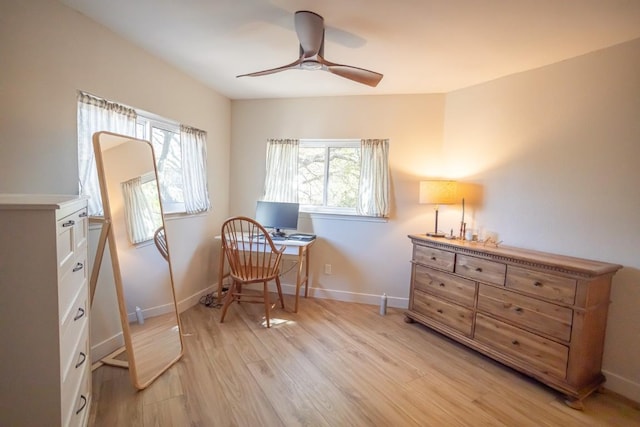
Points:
(421, 46)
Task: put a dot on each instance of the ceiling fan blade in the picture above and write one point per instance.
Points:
(360, 75)
(293, 65)
(310, 30)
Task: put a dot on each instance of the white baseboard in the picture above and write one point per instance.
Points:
(194, 299)
(106, 347)
(371, 299)
(622, 386)
(360, 298)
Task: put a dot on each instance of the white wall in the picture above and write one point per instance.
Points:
(47, 53)
(554, 150)
(413, 123)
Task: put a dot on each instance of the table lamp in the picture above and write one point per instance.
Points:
(437, 192)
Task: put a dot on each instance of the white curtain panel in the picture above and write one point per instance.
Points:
(373, 194)
(281, 180)
(193, 143)
(137, 212)
(95, 115)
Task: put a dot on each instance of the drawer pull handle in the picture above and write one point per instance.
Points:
(439, 311)
(79, 266)
(518, 309)
(537, 284)
(83, 358)
(515, 342)
(69, 223)
(84, 403)
(479, 269)
(82, 214)
(79, 314)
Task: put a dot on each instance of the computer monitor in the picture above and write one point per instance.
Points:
(277, 215)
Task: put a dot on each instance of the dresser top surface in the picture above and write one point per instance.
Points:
(37, 201)
(518, 255)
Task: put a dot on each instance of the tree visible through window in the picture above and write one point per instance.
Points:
(180, 152)
(349, 177)
(329, 174)
(165, 139)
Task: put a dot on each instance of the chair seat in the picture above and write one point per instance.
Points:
(256, 275)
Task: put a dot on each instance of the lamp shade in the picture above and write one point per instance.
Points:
(437, 192)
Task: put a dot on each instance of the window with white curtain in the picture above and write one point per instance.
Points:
(165, 139)
(348, 177)
(180, 153)
(95, 115)
(141, 216)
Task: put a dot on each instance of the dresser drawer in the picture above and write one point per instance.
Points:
(540, 353)
(541, 284)
(541, 316)
(71, 238)
(480, 269)
(448, 286)
(70, 284)
(452, 315)
(79, 367)
(437, 258)
(76, 405)
(81, 229)
(74, 334)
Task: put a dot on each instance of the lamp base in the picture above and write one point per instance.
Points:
(435, 234)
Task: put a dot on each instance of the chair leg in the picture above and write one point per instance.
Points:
(279, 291)
(267, 304)
(228, 300)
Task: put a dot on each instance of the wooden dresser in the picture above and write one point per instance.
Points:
(45, 367)
(542, 314)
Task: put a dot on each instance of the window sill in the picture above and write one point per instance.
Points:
(174, 216)
(342, 217)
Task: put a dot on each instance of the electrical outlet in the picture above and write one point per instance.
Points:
(327, 269)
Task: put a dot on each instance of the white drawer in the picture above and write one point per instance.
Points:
(73, 331)
(81, 230)
(75, 404)
(71, 238)
(70, 285)
(65, 243)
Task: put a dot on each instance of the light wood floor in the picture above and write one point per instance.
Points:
(335, 364)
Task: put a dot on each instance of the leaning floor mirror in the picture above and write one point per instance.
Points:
(141, 268)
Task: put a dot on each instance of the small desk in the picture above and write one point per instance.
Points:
(297, 248)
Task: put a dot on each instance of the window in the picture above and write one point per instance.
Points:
(180, 158)
(329, 175)
(349, 177)
(165, 139)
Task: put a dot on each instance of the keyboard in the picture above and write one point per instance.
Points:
(301, 236)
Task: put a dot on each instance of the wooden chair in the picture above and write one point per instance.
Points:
(161, 243)
(253, 258)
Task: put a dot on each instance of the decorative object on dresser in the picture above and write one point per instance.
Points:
(542, 314)
(437, 192)
(44, 311)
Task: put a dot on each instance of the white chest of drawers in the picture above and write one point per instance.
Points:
(542, 314)
(44, 311)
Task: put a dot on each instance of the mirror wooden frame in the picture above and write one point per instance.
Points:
(150, 349)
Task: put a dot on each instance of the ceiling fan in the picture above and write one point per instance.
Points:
(310, 30)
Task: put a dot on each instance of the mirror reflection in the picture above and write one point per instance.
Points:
(142, 273)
